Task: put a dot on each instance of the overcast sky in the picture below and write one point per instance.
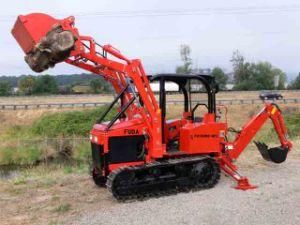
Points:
(153, 31)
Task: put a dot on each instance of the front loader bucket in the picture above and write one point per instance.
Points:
(276, 154)
(43, 40)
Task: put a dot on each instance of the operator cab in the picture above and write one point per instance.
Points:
(196, 96)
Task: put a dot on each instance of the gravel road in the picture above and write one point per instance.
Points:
(276, 201)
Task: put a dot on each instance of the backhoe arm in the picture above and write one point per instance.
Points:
(247, 133)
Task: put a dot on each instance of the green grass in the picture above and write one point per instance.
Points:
(19, 154)
(53, 223)
(82, 152)
(63, 208)
(292, 122)
(68, 169)
(60, 124)
(15, 150)
(77, 123)
(31, 153)
(20, 181)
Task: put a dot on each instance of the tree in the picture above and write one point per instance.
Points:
(5, 88)
(96, 85)
(26, 84)
(295, 84)
(45, 84)
(220, 77)
(240, 68)
(255, 76)
(99, 85)
(186, 68)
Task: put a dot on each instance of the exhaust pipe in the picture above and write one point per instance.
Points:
(276, 154)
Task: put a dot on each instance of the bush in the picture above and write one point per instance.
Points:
(293, 124)
(82, 153)
(5, 88)
(19, 145)
(45, 84)
(19, 155)
(77, 123)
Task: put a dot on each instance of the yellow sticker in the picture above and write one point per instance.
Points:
(273, 111)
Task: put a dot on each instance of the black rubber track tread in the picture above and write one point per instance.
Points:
(161, 187)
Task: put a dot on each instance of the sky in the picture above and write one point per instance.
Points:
(153, 31)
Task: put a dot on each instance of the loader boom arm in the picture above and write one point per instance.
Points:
(37, 34)
(270, 111)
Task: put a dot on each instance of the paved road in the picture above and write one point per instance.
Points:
(277, 201)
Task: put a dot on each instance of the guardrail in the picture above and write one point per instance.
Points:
(50, 105)
(95, 104)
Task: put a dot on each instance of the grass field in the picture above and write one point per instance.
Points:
(29, 136)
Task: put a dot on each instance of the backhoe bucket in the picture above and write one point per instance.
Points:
(276, 154)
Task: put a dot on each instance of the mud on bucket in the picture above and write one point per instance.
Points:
(276, 154)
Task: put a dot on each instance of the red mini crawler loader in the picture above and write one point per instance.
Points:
(139, 152)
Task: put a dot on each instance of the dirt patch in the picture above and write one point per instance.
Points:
(56, 197)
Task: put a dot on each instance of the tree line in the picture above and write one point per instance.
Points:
(247, 75)
(46, 84)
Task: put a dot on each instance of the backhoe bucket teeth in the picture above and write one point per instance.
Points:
(276, 154)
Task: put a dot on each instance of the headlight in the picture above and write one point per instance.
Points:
(93, 138)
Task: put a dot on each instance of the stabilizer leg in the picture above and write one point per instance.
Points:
(231, 169)
(243, 184)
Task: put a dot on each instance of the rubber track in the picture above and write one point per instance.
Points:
(157, 192)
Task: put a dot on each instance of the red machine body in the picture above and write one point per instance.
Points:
(203, 137)
(140, 123)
